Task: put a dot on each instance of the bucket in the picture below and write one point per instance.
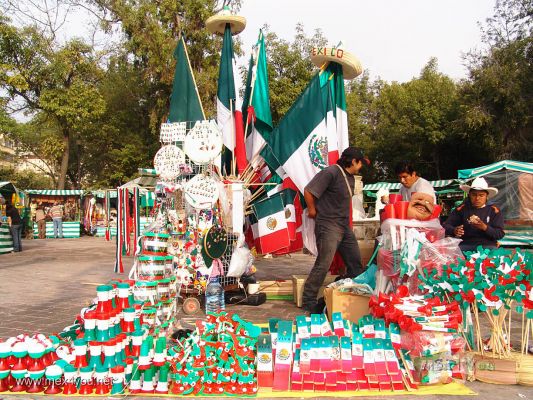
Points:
(394, 198)
(388, 212)
(400, 209)
(253, 288)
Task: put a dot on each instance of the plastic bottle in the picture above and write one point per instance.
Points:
(214, 296)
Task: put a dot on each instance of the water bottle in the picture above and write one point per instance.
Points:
(214, 296)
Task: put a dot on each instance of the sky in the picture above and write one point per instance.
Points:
(392, 39)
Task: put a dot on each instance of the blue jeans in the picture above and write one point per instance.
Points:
(331, 238)
(58, 227)
(16, 233)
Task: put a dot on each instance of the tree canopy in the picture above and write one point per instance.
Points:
(92, 113)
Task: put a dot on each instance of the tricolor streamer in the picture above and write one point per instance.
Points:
(136, 219)
(119, 267)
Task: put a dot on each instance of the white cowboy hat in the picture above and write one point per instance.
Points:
(480, 184)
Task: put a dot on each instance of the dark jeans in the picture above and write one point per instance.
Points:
(329, 239)
(16, 233)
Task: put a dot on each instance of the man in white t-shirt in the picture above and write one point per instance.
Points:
(411, 182)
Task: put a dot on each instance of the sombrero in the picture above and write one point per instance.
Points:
(351, 67)
(214, 244)
(217, 23)
(480, 184)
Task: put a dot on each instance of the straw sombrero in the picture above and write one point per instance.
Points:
(351, 67)
(217, 23)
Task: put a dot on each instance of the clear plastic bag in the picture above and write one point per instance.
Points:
(442, 252)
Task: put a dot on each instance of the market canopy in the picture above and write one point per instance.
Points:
(374, 187)
(51, 192)
(518, 166)
(7, 187)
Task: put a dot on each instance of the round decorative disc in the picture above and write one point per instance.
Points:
(203, 142)
(201, 192)
(167, 161)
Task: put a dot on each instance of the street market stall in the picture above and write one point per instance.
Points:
(514, 181)
(7, 193)
(71, 202)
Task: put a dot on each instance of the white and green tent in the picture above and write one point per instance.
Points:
(514, 181)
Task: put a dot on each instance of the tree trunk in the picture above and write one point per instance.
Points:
(64, 162)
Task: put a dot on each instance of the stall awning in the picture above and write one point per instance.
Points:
(373, 187)
(101, 193)
(7, 187)
(46, 192)
(487, 169)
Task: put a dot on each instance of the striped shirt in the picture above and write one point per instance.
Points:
(56, 211)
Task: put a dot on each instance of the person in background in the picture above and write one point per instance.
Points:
(329, 199)
(56, 212)
(475, 222)
(411, 182)
(15, 226)
(40, 218)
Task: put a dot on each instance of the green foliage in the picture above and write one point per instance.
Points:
(25, 179)
(57, 81)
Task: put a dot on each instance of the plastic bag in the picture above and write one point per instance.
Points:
(368, 277)
(241, 259)
(308, 233)
(442, 252)
(394, 231)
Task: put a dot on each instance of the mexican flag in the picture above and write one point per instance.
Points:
(185, 103)
(341, 116)
(289, 196)
(272, 231)
(256, 104)
(300, 142)
(229, 115)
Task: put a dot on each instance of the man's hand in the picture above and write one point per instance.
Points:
(459, 231)
(311, 213)
(385, 199)
(477, 223)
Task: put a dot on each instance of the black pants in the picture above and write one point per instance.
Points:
(331, 238)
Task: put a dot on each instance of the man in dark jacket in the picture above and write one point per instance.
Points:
(15, 226)
(477, 223)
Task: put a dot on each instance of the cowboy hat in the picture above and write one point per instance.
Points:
(480, 184)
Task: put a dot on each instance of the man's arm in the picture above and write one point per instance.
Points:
(495, 226)
(310, 201)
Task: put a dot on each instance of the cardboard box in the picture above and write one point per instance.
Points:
(298, 282)
(352, 306)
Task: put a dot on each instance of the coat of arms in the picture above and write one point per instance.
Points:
(318, 151)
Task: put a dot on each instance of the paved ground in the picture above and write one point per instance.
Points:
(46, 285)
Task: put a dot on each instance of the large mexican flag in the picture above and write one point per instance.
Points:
(300, 142)
(185, 103)
(229, 115)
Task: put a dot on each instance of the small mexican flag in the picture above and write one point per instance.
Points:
(272, 231)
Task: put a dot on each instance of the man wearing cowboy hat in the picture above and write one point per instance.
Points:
(477, 223)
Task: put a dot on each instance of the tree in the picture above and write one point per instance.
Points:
(498, 95)
(58, 81)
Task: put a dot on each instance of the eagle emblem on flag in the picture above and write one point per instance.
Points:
(318, 151)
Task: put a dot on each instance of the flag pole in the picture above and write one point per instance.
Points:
(232, 114)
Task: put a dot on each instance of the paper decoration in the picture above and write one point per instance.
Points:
(167, 161)
(203, 143)
(172, 132)
(201, 192)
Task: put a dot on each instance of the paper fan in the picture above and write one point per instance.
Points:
(167, 161)
(203, 142)
(201, 192)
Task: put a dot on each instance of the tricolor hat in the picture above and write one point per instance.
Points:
(480, 184)
(217, 23)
